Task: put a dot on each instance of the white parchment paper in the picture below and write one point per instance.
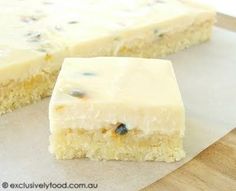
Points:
(207, 78)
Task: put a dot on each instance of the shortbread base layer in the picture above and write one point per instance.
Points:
(14, 94)
(17, 94)
(105, 144)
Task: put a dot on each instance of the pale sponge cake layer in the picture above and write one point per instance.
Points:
(105, 144)
(15, 94)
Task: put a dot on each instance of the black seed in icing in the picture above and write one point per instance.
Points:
(77, 93)
(34, 37)
(72, 22)
(88, 74)
(28, 19)
(38, 36)
(157, 32)
(121, 129)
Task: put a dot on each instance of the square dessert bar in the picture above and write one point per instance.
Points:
(34, 43)
(117, 108)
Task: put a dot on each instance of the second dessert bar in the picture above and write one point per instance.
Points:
(35, 41)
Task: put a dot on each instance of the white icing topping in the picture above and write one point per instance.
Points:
(141, 93)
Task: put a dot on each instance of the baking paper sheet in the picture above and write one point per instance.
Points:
(207, 79)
